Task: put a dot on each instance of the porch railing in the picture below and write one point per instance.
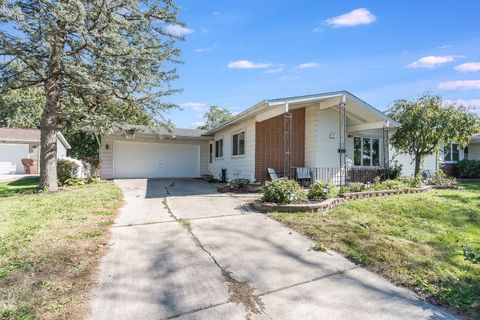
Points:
(334, 175)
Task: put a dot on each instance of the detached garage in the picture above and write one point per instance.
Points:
(17, 144)
(145, 153)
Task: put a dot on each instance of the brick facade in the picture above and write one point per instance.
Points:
(269, 144)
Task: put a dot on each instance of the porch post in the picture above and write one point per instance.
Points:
(342, 140)
(287, 141)
(386, 157)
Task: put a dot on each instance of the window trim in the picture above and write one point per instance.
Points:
(371, 152)
(240, 155)
(211, 152)
(223, 149)
(451, 153)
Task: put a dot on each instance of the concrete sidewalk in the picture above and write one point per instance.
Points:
(204, 255)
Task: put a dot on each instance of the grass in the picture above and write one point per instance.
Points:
(50, 245)
(429, 242)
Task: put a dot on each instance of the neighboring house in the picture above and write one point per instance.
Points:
(16, 144)
(334, 134)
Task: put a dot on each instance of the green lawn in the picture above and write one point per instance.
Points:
(50, 245)
(429, 242)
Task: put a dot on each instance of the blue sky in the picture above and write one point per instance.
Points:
(237, 53)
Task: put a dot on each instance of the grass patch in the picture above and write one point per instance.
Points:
(429, 242)
(50, 245)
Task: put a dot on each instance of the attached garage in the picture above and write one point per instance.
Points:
(155, 160)
(145, 153)
(11, 155)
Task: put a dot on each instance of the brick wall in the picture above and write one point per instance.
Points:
(269, 144)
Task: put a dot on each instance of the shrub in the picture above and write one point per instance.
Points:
(440, 179)
(66, 169)
(74, 182)
(283, 191)
(469, 168)
(353, 187)
(394, 171)
(392, 185)
(93, 164)
(237, 184)
(317, 191)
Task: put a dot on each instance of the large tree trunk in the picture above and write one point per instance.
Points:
(48, 137)
(418, 164)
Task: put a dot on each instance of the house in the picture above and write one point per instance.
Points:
(336, 134)
(16, 144)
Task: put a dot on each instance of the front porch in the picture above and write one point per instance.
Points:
(337, 138)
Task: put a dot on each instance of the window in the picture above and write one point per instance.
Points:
(219, 148)
(238, 144)
(366, 152)
(210, 157)
(451, 153)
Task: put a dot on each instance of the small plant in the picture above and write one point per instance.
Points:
(66, 169)
(353, 187)
(322, 190)
(441, 179)
(93, 164)
(471, 255)
(238, 184)
(394, 171)
(283, 191)
(74, 182)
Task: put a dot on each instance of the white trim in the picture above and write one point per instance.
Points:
(371, 152)
(236, 132)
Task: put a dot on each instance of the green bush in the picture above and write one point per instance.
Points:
(283, 191)
(390, 185)
(468, 168)
(93, 166)
(441, 179)
(66, 169)
(353, 187)
(74, 182)
(394, 171)
(317, 191)
(238, 184)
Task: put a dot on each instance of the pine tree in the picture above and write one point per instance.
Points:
(88, 52)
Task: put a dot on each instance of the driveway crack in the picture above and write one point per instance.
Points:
(240, 292)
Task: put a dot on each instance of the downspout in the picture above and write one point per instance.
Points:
(342, 140)
(99, 143)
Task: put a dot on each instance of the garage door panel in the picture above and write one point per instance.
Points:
(11, 155)
(155, 160)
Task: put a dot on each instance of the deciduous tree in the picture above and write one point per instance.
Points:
(427, 123)
(215, 116)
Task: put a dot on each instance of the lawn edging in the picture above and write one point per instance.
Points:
(328, 204)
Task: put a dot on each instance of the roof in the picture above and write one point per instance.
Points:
(161, 131)
(27, 135)
(298, 99)
(19, 134)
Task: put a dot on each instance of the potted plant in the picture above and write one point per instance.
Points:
(30, 165)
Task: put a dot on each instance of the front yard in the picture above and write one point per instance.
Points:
(428, 242)
(49, 247)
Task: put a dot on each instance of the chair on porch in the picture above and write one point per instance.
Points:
(304, 176)
(273, 175)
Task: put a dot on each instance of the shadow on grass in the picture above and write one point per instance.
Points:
(17, 187)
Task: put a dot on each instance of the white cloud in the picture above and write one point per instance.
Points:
(460, 85)
(196, 106)
(469, 103)
(177, 30)
(468, 67)
(246, 64)
(274, 70)
(198, 50)
(444, 46)
(215, 13)
(430, 62)
(317, 30)
(308, 65)
(353, 18)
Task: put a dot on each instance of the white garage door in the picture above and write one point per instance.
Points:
(155, 160)
(11, 157)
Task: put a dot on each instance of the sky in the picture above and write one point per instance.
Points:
(237, 53)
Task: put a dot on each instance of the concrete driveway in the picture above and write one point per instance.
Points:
(181, 250)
